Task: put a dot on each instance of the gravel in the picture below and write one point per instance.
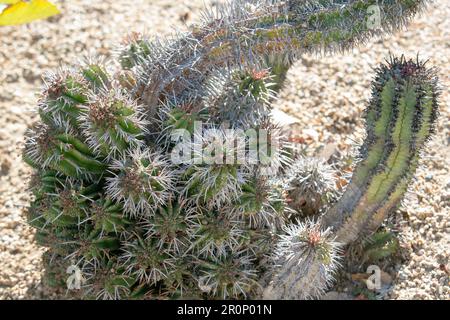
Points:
(326, 95)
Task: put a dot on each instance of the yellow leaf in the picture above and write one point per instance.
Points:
(24, 12)
(9, 1)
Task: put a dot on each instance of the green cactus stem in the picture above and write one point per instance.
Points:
(400, 118)
(264, 28)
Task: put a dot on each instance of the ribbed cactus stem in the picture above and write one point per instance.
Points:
(51, 147)
(399, 119)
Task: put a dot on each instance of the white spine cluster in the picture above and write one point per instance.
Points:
(142, 181)
(306, 258)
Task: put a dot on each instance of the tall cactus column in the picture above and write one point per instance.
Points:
(399, 120)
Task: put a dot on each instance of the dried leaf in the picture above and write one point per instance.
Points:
(360, 277)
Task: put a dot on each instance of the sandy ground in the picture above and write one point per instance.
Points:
(325, 94)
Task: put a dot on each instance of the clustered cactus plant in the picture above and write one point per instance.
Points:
(130, 188)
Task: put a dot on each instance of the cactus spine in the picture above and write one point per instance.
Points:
(148, 204)
(306, 258)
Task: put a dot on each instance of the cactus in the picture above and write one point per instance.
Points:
(400, 118)
(312, 184)
(306, 259)
(167, 179)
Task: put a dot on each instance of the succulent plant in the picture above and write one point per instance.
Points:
(400, 118)
(312, 184)
(167, 179)
(306, 258)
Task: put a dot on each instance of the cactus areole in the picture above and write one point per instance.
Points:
(165, 177)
